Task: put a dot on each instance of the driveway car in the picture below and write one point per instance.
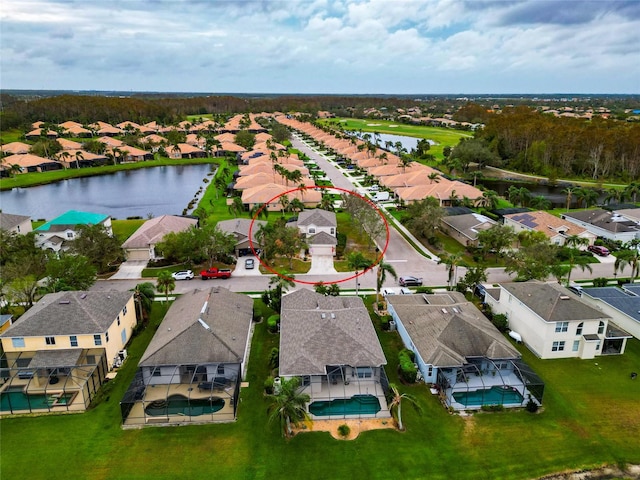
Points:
(183, 275)
(249, 263)
(598, 250)
(409, 281)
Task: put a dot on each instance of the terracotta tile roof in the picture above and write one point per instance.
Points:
(409, 179)
(441, 191)
(15, 148)
(267, 167)
(29, 160)
(69, 144)
(38, 131)
(112, 142)
(250, 181)
(546, 223)
(69, 124)
(265, 193)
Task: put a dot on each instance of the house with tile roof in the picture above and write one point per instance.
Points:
(142, 244)
(458, 349)
(15, 148)
(555, 323)
(33, 163)
(55, 234)
(59, 352)
(446, 192)
(69, 144)
(38, 132)
(193, 367)
(556, 229)
(621, 304)
(20, 224)
(329, 343)
(271, 193)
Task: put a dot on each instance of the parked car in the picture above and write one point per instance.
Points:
(249, 263)
(598, 250)
(183, 275)
(409, 281)
(374, 188)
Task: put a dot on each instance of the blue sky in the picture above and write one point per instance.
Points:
(322, 46)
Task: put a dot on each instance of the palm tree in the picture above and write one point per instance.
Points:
(632, 190)
(165, 283)
(237, 207)
(284, 201)
(259, 209)
(540, 202)
(383, 269)
(327, 203)
(574, 242)
(79, 156)
(569, 191)
(405, 161)
(630, 256)
(296, 205)
(357, 261)
(395, 402)
(289, 405)
(434, 177)
(143, 295)
(451, 260)
(489, 199)
(64, 156)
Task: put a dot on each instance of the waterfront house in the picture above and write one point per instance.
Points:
(55, 234)
(555, 229)
(20, 224)
(142, 244)
(605, 224)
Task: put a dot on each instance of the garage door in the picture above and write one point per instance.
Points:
(138, 254)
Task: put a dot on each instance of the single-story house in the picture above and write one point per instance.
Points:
(55, 233)
(239, 228)
(460, 351)
(33, 163)
(622, 305)
(37, 133)
(141, 245)
(464, 228)
(446, 191)
(15, 223)
(605, 224)
(632, 214)
(329, 343)
(80, 158)
(15, 148)
(57, 355)
(184, 150)
(271, 194)
(192, 369)
(69, 144)
(554, 323)
(556, 229)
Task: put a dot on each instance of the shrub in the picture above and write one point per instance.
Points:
(272, 323)
(424, 290)
(600, 282)
(408, 370)
(344, 430)
(342, 243)
(268, 386)
(500, 321)
(492, 408)
(532, 406)
(274, 357)
(384, 322)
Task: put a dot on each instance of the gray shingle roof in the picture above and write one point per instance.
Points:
(322, 238)
(309, 342)
(469, 224)
(182, 339)
(552, 302)
(318, 217)
(239, 227)
(153, 231)
(627, 303)
(446, 329)
(70, 313)
(9, 220)
(604, 219)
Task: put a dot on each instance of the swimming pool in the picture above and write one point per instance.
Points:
(181, 405)
(497, 395)
(13, 399)
(358, 404)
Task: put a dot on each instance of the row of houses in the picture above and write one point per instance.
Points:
(409, 183)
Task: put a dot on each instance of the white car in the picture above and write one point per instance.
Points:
(183, 275)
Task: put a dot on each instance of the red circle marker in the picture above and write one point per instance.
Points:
(373, 205)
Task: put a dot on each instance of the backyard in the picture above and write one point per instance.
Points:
(590, 418)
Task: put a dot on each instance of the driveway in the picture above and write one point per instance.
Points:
(130, 269)
(242, 271)
(321, 264)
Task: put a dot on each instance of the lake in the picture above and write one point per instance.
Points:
(407, 142)
(157, 191)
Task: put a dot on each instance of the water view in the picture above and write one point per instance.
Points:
(407, 142)
(157, 191)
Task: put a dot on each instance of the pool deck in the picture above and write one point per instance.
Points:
(333, 391)
(486, 382)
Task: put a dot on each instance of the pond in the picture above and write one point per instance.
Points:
(407, 142)
(153, 191)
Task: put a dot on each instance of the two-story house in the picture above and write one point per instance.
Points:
(59, 352)
(55, 234)
(554, 323)
(320, 229)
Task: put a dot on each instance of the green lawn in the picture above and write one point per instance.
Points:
(442, 136)
(14, 135)
(590, 418)
(123, 229)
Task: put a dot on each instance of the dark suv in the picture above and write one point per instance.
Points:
(410, 281)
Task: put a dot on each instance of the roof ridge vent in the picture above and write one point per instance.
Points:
(64, 302)
(564, 297)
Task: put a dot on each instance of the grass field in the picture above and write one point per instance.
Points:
(590, 418)
(442, 136)
(123, 229)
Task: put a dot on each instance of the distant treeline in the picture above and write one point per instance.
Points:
(528, 141)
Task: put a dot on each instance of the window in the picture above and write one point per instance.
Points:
(333, 231)
(124, 310)
(69, 234)
(364, 372)
(73, 340)
(17, 342)
(118, 319)
(430, 371)
(601, 327)
(50, 340)
(557, 347)
(106, 337)
(306, 381)
(97, 340)
(576, 346)
(220, 369)
(562, 327)
(312, 230)
(598, 345)
(123, 336)
(579, 328)
(157, 372)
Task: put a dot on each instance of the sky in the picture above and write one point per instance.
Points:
(322, 46)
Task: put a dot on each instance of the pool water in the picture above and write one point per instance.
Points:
(18, 400)
(358, 404)
(490, 396)
(180, 405)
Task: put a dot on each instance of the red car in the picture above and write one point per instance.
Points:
(598, 250)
